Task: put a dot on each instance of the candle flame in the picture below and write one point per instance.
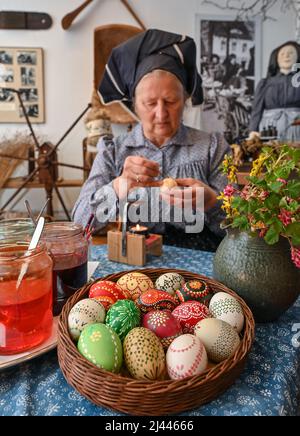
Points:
(138, 227)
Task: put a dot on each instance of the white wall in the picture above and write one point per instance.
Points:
(68, 60)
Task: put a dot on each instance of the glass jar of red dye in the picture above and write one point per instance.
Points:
(26, 311)
(69, 250)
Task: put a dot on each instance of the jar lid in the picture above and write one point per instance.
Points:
(61, 230)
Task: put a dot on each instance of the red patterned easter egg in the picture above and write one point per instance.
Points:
(156, 300)
(195, 290)
(135, 284)
(189, 313)
(108, 293)
(186, 357)
(164, 325)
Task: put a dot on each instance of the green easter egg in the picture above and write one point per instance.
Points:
(99, 344)
(123, 316)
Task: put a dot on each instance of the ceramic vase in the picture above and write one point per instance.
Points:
(263, 275)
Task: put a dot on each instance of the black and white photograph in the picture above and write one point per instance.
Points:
(229, 61)
(26, 57)
(28, 76)
(21, 69)
(29, 95)
(6, 95)
(31, 110)
(6, 74)
(6, 57)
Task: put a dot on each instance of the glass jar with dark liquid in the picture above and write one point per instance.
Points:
(69, 251)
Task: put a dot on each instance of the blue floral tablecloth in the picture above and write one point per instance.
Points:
(269, 385)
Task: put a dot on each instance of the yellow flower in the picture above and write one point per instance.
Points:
(232, 174)
(257, 165)
(227, 207)
(258, 226)
(221, 197)
(235, 213)
(227, 162)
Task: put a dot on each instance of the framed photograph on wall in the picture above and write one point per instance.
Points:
(229, 59)
(21, 69)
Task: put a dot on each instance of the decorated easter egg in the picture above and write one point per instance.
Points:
(135, 284)
(99, 344)
(227, 308)
(107, 293)
(189, 313)
(85, 312)
(219, 338)
(195, 290)
(122, 317)
(168, 183)
(163, 324)
(169, 282)
(186, 357)
(156, 300)
(144, 354)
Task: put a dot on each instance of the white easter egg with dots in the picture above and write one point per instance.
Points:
(226, 308)
(169, 282)
(85, 312)
(218, 337)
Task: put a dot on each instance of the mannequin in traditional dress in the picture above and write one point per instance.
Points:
(277, 101)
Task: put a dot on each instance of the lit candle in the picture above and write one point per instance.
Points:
(139, 230)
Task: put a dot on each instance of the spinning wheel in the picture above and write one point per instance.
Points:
(45, 166)
(45, 171)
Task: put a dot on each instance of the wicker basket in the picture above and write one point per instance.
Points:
(140, 397)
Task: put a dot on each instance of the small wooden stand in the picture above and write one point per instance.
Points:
(137, 247)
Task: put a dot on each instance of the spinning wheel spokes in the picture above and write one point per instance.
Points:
(70, 129)
(23, 185)
(76, 167)
(47, 164)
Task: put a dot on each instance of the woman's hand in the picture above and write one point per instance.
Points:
(137, 172)
(188, 195)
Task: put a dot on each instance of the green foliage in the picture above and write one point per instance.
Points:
(269, 204)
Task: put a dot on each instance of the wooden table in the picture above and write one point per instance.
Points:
(99, 240)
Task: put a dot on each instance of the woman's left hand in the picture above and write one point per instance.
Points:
(188, 194)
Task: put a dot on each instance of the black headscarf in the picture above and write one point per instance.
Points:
(146, 52)
(273, 68)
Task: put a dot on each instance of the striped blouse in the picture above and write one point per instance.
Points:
(189, 154)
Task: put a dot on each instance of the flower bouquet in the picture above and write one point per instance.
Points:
(269, 204)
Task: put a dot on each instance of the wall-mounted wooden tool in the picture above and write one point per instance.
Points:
(24, 20)
(68, 19)
(129, 8)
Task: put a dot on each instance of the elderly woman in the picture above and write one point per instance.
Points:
(153, 74)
